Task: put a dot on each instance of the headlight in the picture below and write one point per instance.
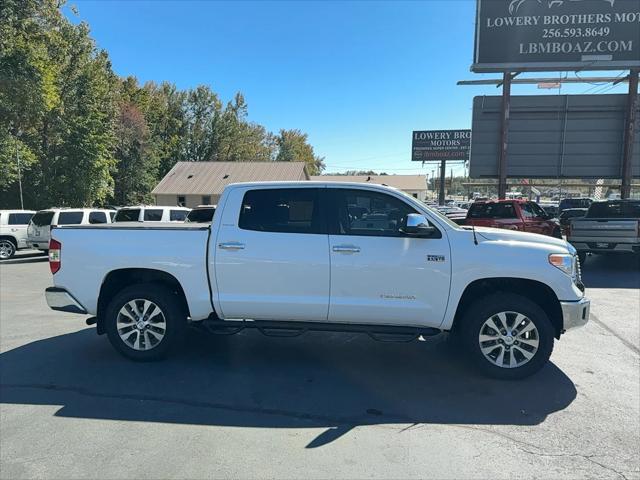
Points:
(564, 262)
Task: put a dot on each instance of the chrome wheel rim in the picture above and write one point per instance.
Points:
(508, 339)
(141, 324)
(6, 249)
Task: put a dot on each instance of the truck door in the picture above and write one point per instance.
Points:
(378, 274)
(533, 221)
(271, 255)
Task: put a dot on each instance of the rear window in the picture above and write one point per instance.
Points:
(575, 203)
(127, 215)
(70, 218)
(201, 215)
(19, 218)
(97, 217)
(492, 210)
(614, 210)
(178, 215)
(42, 219)
(152, 215)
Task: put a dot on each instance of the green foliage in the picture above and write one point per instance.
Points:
(294, 147)
(87, 137)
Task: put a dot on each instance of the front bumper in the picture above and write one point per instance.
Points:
(575, 314)
(61, 300)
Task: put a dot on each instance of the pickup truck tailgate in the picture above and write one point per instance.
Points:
(611, 229)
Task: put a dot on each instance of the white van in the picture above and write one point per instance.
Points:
(146, 213)
(13, 231)
(38, 232)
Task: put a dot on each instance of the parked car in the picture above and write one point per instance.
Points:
(201, 214)
(567, 215)
(145, 213)
(289, 257)
(608, 227)
(513, 215)
(574, 203)
(552, 209)
(38, 231)
(13, 231)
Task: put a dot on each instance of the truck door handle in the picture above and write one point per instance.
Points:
(346, 249)
(231, 246)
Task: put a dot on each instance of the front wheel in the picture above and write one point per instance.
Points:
(507, 336)
(144, 322)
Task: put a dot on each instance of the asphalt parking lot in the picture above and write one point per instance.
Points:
(317, 406)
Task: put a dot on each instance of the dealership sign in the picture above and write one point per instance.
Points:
(520, 35)
(436, 145)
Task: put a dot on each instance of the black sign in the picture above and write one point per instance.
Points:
(436, 145)
(520, 35)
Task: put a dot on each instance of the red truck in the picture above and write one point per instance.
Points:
(513, 215)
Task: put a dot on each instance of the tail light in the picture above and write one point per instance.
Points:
(55, 254)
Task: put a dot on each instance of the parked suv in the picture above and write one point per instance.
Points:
(519, 215)
(38, 232)
(143, 213)
(13, 231)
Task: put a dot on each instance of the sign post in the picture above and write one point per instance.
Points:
(440, 145)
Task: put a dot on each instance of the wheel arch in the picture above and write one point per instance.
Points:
(535, 291)
(117, 280)
(11, 238)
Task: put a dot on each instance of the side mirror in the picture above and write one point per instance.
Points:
(417, 225)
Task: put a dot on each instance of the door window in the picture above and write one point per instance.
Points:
(19, 218)
(70, 218)
(97, 217)
(361, 212)
(538, 211)
(127, 215)
(152, 215)
(527, 210)
(177, 215)
(285, 210)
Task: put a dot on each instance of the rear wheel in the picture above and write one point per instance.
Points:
(507, 336)
(145, 322)
(7, 249)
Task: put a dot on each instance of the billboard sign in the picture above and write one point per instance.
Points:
(552, 136)
(437, 145)
(553, 35)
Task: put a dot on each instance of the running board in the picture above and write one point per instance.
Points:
(273, 328)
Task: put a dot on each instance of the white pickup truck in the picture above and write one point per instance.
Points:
(290, 257)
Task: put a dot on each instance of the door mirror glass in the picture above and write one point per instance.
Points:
(417, 225)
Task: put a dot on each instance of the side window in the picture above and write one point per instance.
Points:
(360, 212)
(19, 218)
(152, 215)
(70, 218)
(177, 215)
(286, 210)
(527, 210)
(97, 217)
(537, 210)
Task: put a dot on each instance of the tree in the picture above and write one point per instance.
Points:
(294, 147)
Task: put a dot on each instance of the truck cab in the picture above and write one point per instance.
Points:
(520, 215)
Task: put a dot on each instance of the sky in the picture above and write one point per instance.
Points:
(357, 77)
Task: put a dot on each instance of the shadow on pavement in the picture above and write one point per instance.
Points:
(317, 380)
(611, 271)
(26, 256)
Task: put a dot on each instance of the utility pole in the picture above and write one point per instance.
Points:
(504, 133)
(443, 178)
(629, 134)
(19, 174)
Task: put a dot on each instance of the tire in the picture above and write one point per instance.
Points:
(582, 258)
(160, 333)
(7, 249)
(516, 353)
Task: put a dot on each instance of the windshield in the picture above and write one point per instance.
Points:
(127, 215)
(614, 210)
(41, 219)
(201, 215)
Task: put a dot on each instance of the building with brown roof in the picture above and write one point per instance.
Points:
(414, 185)
(201, 183)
